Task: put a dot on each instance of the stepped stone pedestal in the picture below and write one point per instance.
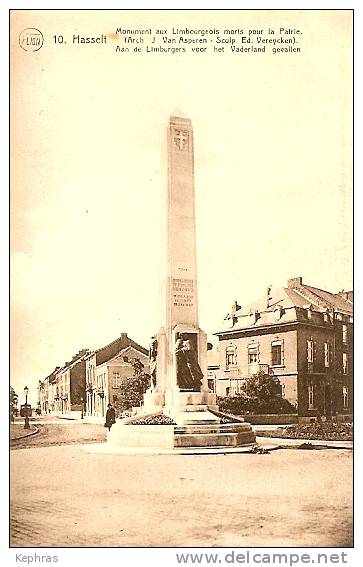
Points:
(170, 437)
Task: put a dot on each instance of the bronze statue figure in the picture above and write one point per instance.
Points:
(153, 351)
(188, 372)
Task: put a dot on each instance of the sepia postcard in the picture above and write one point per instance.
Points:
(181, 370)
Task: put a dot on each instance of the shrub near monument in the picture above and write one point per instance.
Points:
(132, 388)
(261, 395)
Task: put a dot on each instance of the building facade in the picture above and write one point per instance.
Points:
(105, 368)
(300, 334)
(68, 390)
(46, 392)
(63, 391)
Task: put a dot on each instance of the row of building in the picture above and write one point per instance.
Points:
(85, 385)
(300, 334)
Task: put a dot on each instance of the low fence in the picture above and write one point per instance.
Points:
(289, 419)
(339, 418)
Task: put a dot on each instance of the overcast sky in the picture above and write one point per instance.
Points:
(272, 136)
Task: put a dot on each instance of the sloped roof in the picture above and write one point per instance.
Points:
(332, 300)
(278, 297)
(292, 300)
(80, 357)
(125, 352)
(51, 376)
(109, 351)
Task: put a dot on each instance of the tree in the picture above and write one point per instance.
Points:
(133, 387)
(261, 388)
(261, 394)
(13, 402)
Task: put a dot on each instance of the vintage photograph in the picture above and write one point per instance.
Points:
(181, 200)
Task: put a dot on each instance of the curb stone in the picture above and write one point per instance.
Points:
(37, 429)
(298, 443)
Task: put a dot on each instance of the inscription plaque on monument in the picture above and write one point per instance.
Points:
(183, 292)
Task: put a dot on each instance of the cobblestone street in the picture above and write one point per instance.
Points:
(65, 496)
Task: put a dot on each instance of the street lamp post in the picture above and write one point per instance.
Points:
(26, 423)
(81, 408)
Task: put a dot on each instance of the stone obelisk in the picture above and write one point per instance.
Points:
(178, 353)
(181, 388)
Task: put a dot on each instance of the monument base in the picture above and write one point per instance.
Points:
(153, 401)
(196, 427)
(175, 437)
(187, 407)
(214, 435)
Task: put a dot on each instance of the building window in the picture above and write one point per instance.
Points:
(236, 386)
(115, 398)
(310, 351)
(345, 363)
(252, 354)
(116, 380)
(345, 334)
(311, 397)
(327, 355)
(231, 357)
(276, 353)
(310, 354)
(345, 397)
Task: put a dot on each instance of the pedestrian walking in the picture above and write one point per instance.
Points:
(110, 416)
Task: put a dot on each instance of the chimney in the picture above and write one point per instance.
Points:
(255, 315)
(346, 295)
(235, 308)
(268, 297)
(294, 282)
(123, 335)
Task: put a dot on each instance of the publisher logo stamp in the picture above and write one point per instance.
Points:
(31, 39)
